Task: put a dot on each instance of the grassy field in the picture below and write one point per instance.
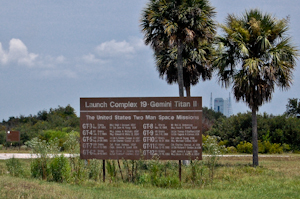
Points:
(276, 177)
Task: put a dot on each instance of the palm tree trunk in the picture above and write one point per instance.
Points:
(188, 91)
(180, 68)
(254, 137)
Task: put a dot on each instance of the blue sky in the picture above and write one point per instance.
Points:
(53, 52)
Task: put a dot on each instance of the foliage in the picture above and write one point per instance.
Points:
(2, 137)
(94, 168)
(213, 150)
(244, 147)
(111, 169)
(255, 55)
(15, 167)
(293, 107)
(180, 33)
(197, 169)
(267, 147)
(79, 168)
(61, 119)
(209, 118)
(276, 178)
(60, 169)
(40, 167)
(71, 144)
(275, 129)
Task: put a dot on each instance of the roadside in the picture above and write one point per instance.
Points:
(5, 156)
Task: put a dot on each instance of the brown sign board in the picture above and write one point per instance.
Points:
(135, 128)
(12, 136)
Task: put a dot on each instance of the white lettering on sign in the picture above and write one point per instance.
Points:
(96, 105)
(123, 105)
(182, 104)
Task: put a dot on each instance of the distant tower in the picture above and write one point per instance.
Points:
(219, 105)
(211, 101)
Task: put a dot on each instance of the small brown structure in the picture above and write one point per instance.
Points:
(13, 136)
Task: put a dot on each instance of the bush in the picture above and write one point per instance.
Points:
(244, 147)
(14, 167)
(231, 149)
(1, 146)
(267, 147)
(276, 148)
(286, 147)
(196, 173)
(42, 149)
(24, 148)
(214, 150)
(94, 169)
(168, 181)
(111, 169)
(60, 169)
(39, 168)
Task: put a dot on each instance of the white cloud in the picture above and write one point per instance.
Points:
(58, 73)
(91, 59)
(40, 66)
(17, 53)
(115, 49)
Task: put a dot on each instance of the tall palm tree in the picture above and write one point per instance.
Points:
(196, 64)
(173, 24)
(255, 55)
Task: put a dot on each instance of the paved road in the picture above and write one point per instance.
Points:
(5, 156)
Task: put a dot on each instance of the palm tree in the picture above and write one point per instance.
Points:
(174, 24)
(293, 107)
(255, 55)
(196, 65)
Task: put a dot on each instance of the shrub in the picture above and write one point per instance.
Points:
(24, 148)
(231, 149)
(211, 147)
(1, 146)
(14, 167)
(42, 149)
(168, 181)
(94, 169)
(244, 147)
(60, 169)
(144, 179)
(286, 147)
(111, 169)
(267, 147)
(196, 173)
(39, 168)
(155, 171)
(276, 148)
(79, 169)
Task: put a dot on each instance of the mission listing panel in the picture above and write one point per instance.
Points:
(134, 128)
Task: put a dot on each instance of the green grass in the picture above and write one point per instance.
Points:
(234, 178)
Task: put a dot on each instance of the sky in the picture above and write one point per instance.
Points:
(54, 52)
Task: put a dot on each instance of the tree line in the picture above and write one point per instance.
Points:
(45, 125)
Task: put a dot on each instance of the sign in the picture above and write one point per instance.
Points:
(12, 136)
(135, 128)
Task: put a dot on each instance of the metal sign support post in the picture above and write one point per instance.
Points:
(103, 164)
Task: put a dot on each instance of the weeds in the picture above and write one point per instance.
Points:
(15, 167)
